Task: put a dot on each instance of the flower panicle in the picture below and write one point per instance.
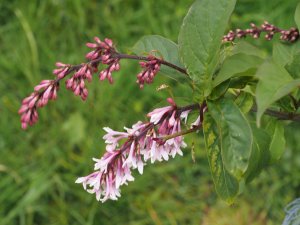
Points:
(270, 30)
(141, 143)
(43, 92)
(103, 52)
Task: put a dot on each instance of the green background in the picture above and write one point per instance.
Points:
(38, 166)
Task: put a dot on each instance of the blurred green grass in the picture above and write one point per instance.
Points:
(38, 167)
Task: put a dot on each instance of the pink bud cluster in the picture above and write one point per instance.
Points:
(45, 91)
(62, 70)
(151, 68)
(104, 52)
(290, 35)
(77, 82)
(141, 143)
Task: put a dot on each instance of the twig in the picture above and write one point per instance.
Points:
(280, 115)
(270, 30)
(181, 133)
(135, 57)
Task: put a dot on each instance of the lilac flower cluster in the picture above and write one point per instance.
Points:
(290, 35)
(76, 82)
(47, 89)
(150, 69)
(141, 143)
(104, 52)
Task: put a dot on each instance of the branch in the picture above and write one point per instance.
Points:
(73, 68)
(181, 133)
(295, 102)
(188, 107)
(280, 115)
(150, 126)
(291, 35)
(135, 57)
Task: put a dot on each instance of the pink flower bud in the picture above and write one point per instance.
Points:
(24, 125)
(47, 93)
(97, 40)
(171, 101)
(33, 101)
(54, 93)
(109, 42)
(60, 64)
(88, 75)
(92, 55)
(91, 45)
(23, 109)
(77, 90)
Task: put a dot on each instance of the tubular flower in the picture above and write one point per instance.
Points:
(110, 174)
(141, 143)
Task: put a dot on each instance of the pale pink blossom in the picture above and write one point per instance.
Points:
(168, 122)
(184, 115)
(110, 173)
(141, 143)
(196, 123)
(136, 128)
(157, 114)
(112, 138)
(199, 120)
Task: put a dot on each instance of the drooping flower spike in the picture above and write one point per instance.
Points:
(144, 142)
(45, 91)
(103, 52)
(270, 30)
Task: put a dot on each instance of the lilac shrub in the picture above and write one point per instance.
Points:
(229, 89)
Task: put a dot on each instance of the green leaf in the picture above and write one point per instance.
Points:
(274, 83)
(277, 146)
(237, 65)
(283, 53)
(260, 155)
(235, 135)
(294, 66)
(226, 185)
(161, 47)
(244, 101)
(297, 16)
(200, 39)
(286, 104)
(247, 48)
(253, 169)
(219, 91)
(241, 82)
